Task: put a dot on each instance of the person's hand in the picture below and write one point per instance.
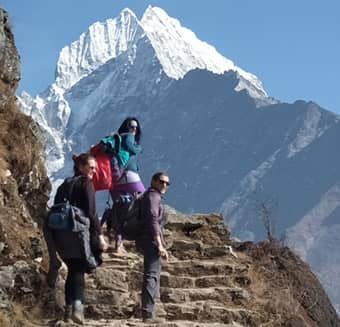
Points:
(163, 252)
(102, 243)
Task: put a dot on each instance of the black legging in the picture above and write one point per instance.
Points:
(75, 281)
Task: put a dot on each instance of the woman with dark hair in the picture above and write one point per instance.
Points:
(130, 182)
(131, 124)
(79, 191)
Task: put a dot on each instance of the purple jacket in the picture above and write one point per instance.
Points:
(152, 212)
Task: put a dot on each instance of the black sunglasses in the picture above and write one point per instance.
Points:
(164, 182)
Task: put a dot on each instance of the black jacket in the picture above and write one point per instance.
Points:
(68, 244)
(83, 197)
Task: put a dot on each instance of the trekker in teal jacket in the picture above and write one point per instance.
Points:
(130, 182)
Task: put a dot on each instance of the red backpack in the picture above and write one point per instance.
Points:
(102, 179)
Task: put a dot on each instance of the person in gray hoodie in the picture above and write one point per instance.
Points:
(151, 244)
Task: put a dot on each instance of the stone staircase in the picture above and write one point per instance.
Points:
(209, 280)
(203, 284)
(193, 293)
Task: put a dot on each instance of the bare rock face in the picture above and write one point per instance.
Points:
(24, 186)
(9, 60)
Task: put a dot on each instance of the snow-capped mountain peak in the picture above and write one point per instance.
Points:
(176, 47)
(179, 50)
(102, 41)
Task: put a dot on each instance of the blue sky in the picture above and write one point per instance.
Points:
(293, 46)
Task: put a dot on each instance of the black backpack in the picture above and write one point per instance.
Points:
(61, 216)
(133, 223)
(125, 216)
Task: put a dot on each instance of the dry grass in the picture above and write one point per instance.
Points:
(3, 148)
(5, 320)
(17, 151)
(288, 290)
(17, 316)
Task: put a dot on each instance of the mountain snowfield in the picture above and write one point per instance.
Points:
(228, 146)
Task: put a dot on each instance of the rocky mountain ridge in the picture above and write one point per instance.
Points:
(24, 186)
(211, 279)
(230, 151)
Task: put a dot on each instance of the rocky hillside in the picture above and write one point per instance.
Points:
(24, 186)
(210, 280)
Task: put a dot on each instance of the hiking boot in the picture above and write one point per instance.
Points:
(68, 313)
(148, 318)
(78, 312)
(121, 249)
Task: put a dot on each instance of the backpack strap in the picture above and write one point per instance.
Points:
(108, 199)
(71, 187)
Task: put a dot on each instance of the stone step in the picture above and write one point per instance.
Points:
(208, 311)
(196, 268)
(114, 261)
(223, 295)
(137, 323)
(207, 304)
(120, 267)
(109, 279)
(188, 249)
(127, 258)
(168, 280)
(199, 311)
(119, 279)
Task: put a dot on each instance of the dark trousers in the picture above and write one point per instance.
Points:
(75, 280)
(152, 271)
